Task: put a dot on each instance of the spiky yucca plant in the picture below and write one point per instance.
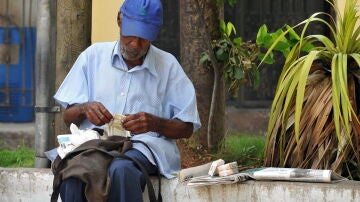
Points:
(313, 120)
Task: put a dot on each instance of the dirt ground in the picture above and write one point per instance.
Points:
(191, 157)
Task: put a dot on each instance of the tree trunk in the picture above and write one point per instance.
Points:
(195, 24)
(73, 36)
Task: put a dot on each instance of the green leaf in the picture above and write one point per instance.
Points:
(205, 58)
(239, 74)
(292, 34)
(221, 55)
(229, 29)
(324, 40)
(268, 41)
(223, 42)
(268, 60)
(237, 40)
(345, 101)
(285, 52)
(227, 69)
(305, 68)
(262, 35)
(282, 45)
(277, 34)
(222, 27)
(336, 94)
(290, 83)
(307, 47)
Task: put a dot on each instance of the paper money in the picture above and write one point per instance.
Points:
(115, 128)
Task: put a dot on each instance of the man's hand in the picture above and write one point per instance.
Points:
(94, 112)
(143, 122)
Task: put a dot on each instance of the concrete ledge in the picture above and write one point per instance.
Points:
(32, 184)
(28, 184)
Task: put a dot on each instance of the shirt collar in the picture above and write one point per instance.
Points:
(118, 62)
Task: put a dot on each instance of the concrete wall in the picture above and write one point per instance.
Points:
(36, 185)
(18, 13)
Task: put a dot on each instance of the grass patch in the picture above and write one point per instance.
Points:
(246, 149)
(21, 157)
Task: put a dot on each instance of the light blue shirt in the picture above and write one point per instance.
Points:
(159, 86)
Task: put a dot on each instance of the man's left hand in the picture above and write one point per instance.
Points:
(141, 122)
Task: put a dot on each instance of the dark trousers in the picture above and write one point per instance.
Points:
(127, 181)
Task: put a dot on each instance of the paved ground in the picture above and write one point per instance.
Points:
(15, 134)
(253, 121)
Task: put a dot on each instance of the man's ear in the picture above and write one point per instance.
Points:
(119, 20)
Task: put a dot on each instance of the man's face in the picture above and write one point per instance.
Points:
(133, 48)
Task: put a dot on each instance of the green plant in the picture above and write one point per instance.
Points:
(20, 157)
(245, 149)
(286, 40)
(236, 56)
(313, 119)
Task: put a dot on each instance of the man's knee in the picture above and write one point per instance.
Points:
(121, 166)
(124, 170)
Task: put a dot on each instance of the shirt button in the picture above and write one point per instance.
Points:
(122, 94)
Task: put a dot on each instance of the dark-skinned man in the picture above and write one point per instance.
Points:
(134, 78)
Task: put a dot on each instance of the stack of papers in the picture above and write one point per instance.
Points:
(266, 173)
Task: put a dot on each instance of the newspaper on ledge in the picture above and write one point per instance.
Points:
(269, 173)
(215, 180)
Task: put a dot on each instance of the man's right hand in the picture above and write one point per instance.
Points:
(94, 112)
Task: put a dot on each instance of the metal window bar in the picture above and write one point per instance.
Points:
(17, 92)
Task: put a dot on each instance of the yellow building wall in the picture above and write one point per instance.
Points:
(104, 25)
(341, 5)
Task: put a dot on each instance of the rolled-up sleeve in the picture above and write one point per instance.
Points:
(182, 99)
(74, 88)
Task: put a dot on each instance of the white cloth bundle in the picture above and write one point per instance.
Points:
(69, 142)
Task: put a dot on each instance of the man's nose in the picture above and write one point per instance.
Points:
(136, 43)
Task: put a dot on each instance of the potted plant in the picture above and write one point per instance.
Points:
(314, 115)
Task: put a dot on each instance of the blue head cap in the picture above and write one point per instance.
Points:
(141, 18)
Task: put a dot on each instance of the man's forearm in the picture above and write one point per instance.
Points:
(174, 129)
(74, 114)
